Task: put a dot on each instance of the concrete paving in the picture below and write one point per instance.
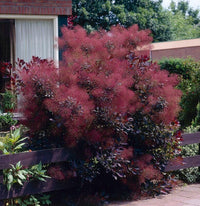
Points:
(182, 196)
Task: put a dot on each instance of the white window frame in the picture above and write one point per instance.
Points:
(41, 17)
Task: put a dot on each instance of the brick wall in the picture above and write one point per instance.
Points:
(177, 53)
(36, 7)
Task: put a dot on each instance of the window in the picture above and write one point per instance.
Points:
(34, 38)
(24, 36)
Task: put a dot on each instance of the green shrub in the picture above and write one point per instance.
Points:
(6, 121)
(191, 129)
(178, 66)
(196, 121)
(8, 101)
(36, 200)
(189, 73)
(13, 142)
(191, 97)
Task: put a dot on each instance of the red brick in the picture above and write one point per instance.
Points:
(176, 49)
(177, 53)
(42, 7)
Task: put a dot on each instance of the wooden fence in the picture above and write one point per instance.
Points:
(186, 162)
(29, 159)
(61, 154)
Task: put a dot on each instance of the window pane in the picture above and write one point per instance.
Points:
(34, 38)
(5, 40)
(5, 52)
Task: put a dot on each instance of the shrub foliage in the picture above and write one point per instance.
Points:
(109, 104)
(189, 71)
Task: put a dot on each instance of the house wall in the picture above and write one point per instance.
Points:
(176, 53)
(36, 7)
(55, 10)
(176, 49)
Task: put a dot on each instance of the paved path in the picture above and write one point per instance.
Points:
(183, 196)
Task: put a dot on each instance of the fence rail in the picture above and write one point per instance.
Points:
(31, 158)
(34, 187)
(191, 138)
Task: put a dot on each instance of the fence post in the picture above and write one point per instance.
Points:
(199, 154)
(1, 182)
(1, 176)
